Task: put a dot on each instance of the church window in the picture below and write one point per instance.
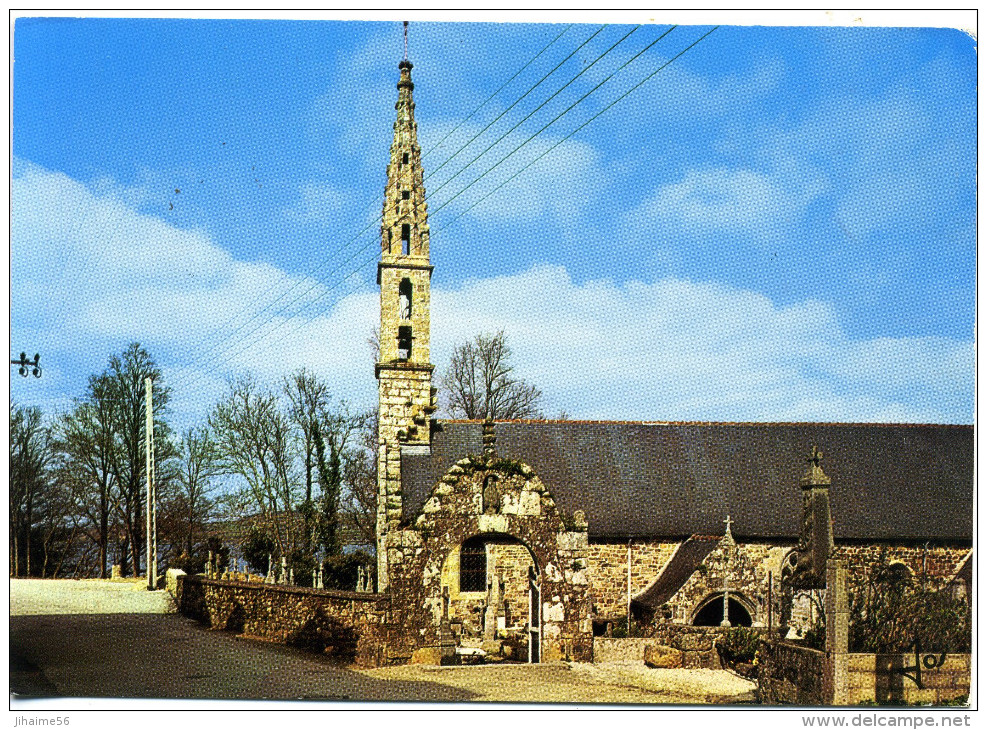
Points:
(404, 159)
(404, 343)
(711, 614)
(473, 566)
(405, 194)
(405, 239)
(404, 299)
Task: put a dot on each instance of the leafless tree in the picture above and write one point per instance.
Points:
(360, 475)
(479, 382)
(87, 446)
(191, 500)
(255, 441)
(126, 375)
(309, 403)
(31, 456)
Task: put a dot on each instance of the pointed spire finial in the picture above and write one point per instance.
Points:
(406, 40)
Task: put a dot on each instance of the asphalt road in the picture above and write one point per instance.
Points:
(72, 651)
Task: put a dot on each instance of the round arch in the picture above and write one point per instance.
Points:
(710, 611)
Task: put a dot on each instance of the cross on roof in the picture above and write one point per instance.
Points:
(728, 522)
(816, 456)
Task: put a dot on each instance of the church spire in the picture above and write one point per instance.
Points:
(404, 229)
(404, 372)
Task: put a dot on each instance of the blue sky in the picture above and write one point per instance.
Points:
(780, 225)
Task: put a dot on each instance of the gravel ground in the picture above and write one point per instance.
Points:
(614, 683)
(73, 638)
(48, 597)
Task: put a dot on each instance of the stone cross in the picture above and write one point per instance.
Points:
(493, 606)
(815, 457)
(725, 623)
(728, 522)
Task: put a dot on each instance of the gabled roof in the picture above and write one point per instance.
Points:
(634, 479)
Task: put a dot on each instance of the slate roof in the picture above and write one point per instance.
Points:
(634, 479)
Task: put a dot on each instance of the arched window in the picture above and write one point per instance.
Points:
(404, 343)
(473, 566)
(405, 239)
(711, 614)
(404, 299)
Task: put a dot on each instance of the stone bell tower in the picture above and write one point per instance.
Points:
(404, 371)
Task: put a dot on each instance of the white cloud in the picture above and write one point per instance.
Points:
(559, 187)
(676, 349)
(90, 275)
(722, 200)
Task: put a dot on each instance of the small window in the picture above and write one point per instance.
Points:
(405, 194)
(472, 566)
(405, 239)
(404, 343)
(404, 159)
(404, 299)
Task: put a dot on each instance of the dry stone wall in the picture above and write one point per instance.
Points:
(349, 625)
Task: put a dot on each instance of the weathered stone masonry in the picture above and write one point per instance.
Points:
(351, 625)
(523, 510)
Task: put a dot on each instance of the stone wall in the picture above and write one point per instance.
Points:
(788, 674)
(346, 624)
(878, 678)
(608, 572)
(697, 643)
(619, 650)
(505, 500)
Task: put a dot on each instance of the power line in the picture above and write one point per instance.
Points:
(214, 356)
(502, 87)
(376, 201)
(536, 85)
(615, 101)
(561, 114)
(225, 353)
(584, 124)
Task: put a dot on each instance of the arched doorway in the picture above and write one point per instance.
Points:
(493, 587)
(710, 613)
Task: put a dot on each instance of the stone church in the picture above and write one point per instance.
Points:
(544, 533)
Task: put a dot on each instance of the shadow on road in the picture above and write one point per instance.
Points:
(170, 656)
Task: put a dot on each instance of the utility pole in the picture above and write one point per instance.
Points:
(151, 537)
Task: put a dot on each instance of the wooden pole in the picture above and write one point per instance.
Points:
(148, 466)
(629, 589)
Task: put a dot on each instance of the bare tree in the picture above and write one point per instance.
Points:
(254, 439)
(31, 456)
(87, 448)
(309, 399)
(479, 382)
(191, 500)
(359, 505)
(126, 374)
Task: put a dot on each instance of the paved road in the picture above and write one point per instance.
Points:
(86, 646)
